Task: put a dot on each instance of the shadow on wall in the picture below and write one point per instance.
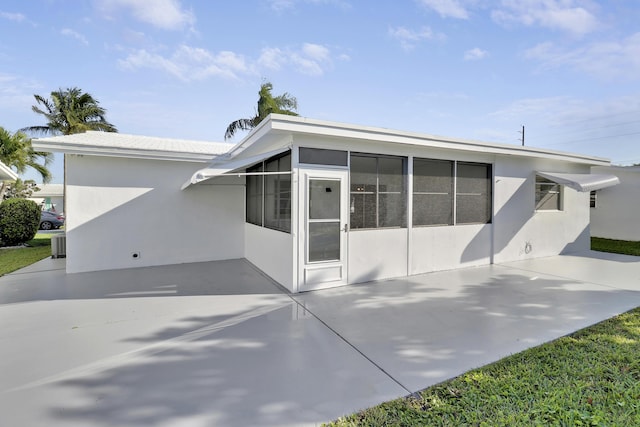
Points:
(413, 328)
(518, 233)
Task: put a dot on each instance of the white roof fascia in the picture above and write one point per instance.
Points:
(227, 168)
(582, 182)
(6, 173)
(131, 146)
(342, 130)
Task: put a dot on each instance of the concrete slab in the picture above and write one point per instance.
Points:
(220, 344)
(195, 344)
(428, 328)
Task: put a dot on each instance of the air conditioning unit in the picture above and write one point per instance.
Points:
(59, 246)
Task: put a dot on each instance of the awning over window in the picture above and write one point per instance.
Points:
(230, 166)
(583, 182)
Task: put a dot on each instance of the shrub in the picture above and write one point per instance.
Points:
(19, 221)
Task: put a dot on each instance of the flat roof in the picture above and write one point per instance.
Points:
(273, 129)
(283, 124)
(132, 146)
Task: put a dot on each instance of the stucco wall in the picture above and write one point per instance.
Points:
(445, 248)
(377, 254)
(272, 252)
(117, 207)
(616, 215)
(519, 231)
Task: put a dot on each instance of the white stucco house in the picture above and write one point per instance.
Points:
(317, 204)
(615, 211)
(50, 197)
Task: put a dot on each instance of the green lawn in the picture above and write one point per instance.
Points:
(615, 246)
(590, 378)
(15, 259)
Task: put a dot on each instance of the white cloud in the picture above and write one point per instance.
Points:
(74, 34)
(447, 8)
(189, 63)
(282, 5)
(572, 16)
(164, 14)
(410, 38)
(16, 93)
(17, 17)
(606, 60)
(475, 54)
(312, 59)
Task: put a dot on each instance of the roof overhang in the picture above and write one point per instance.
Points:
(229, 166)
(582, 182)
(6, 173)
(295, 125)
(111, 144)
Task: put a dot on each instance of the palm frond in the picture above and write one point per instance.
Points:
(235, 126)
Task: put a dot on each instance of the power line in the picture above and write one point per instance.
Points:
(595, 138)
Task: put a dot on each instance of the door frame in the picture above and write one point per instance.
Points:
(322, 274)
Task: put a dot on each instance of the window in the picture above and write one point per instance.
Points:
(378, 191)
(437, 183)
(432, 192)
(593, 199)
(473, 193)
(255, 195)
(268, 197)
(319, 156)
(548, 195)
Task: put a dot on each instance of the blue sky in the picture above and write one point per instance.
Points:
(568, 70)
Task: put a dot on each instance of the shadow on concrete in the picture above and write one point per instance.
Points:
(284, 367)
(231, 277)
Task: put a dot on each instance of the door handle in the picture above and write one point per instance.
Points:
(345, 228)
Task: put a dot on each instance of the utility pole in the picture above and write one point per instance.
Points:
(522, 135)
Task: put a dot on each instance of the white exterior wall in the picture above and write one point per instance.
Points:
(616, 213)
(272, 252)
(519, 231)
(377, 254)
(117, 207)
(449, 247)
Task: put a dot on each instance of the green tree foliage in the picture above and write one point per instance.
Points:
(20, 189)
(267, 104)
(19, 221)
(17, 153)
(70, 111)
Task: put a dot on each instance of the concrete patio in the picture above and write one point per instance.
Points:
(220, 344)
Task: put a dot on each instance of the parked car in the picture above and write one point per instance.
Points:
(51, 220)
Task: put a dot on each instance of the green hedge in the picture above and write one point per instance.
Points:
(19, 221)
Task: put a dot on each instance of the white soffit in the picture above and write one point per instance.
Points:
(228, 167)
(6, 173)
(583, 182)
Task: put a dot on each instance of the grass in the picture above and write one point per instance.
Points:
(15, 259)
(615, 246)
(589, 378)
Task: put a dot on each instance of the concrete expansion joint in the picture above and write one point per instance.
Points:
(350, 344)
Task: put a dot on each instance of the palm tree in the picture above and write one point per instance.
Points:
(70, 111)
(267, 104)
(17, 153)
